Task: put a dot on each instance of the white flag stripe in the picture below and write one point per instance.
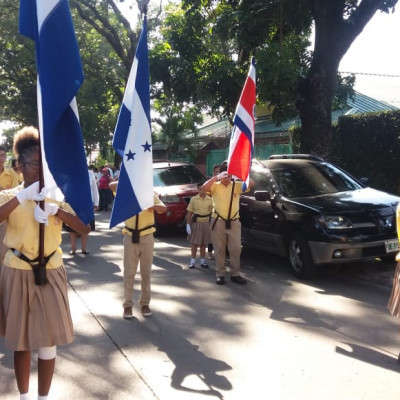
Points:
(130, 86)
(44, 8)
(242, 113)
(138, 176)
(234, 139)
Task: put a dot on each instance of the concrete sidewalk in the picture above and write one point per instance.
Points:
(274, 338)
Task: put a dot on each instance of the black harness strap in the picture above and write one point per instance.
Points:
(33, 263)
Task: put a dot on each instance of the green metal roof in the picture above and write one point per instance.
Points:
(361, 104)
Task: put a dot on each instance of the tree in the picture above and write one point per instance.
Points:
(101, 93)
(175, 122)
(290, 77)
(17, 69)
(337, 24)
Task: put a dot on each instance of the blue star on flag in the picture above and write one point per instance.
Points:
(147, 146)
(130, 155)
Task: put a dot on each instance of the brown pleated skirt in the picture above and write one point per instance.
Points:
(201, 233)
(34, 316)
(394, 301)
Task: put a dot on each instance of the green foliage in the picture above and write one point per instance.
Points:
(368, 145)
(174, 124)
(17, 69)
(376, 138)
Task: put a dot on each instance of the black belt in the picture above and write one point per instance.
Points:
(195, 216)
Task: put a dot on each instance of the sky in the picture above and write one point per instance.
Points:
(374, 54)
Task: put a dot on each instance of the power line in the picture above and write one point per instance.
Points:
(371, 74)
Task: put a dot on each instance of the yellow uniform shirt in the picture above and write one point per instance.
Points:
(8, 179)
(23, 233)
(146, 218)
(201, 206)
(221, 197)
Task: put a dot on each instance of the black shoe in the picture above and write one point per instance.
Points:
(191, 265)
(205, 265)
(239, 279)
(220, 280)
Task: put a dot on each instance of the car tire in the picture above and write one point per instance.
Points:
(300, 257)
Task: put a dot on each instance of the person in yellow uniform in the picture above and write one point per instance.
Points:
(225, 223)
(8, 179)
(138, 249)
(394, 300)
(34, 309)
(197, 225)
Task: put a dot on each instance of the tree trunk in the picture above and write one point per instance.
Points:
(315, 112)
(334, 35)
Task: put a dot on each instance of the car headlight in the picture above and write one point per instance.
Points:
(335, 222)
(170, 198)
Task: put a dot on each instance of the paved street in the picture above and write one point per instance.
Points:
(276, 338)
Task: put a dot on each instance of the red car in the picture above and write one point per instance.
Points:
(175, 183)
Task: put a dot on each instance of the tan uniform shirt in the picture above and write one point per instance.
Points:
(146, 218)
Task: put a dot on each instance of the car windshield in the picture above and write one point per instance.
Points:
(179, 175)
(313, 180)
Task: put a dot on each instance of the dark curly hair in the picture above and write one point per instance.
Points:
(26, 141)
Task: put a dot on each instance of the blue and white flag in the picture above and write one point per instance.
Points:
(49, 24)
(132, 141)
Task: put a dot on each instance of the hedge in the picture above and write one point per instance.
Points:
(367, 145)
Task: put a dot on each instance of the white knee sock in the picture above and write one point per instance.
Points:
(42, 397)
(24, 396)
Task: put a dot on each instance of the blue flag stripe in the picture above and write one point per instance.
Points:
(60, 75)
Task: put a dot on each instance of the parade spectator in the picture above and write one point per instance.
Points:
(225, 223)
(97, 175)
(116, 173)
(105, 192)
(138, 249)
(197, 225)
(34, 307)
(73, 235)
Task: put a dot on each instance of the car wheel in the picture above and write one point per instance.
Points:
(300, 257)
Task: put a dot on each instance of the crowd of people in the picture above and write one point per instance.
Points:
(34, 307)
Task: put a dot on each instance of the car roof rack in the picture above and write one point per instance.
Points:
(295, 157)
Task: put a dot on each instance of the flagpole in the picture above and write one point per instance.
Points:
(40, 273)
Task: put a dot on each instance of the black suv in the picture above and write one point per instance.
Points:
(316, 213)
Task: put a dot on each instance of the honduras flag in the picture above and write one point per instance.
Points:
(132, 141)
(241, 146)
(49, 24)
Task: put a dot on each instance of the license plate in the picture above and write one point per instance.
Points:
(392, 245)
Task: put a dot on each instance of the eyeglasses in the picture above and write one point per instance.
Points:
(32, 164)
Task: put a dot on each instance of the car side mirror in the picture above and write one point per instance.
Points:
(262, 195)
